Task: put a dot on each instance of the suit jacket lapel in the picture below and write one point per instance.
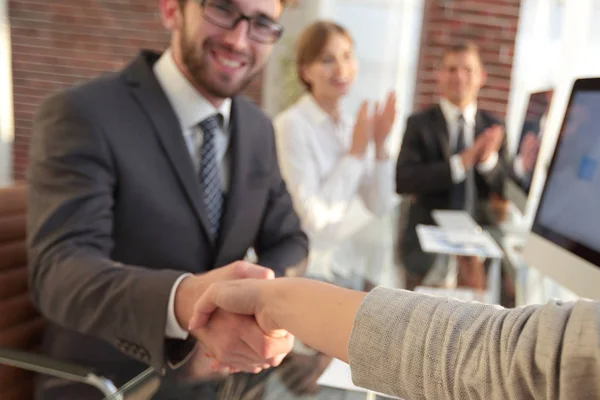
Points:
(151, 97)
(240, 144)
(440, 128)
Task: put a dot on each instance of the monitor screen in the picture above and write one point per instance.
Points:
(530, 138)
(568, 214)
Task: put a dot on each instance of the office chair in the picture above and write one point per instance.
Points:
(21, 326)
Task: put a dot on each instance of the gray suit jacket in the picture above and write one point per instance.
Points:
(423, 174)
(419, 347)
(116, 216)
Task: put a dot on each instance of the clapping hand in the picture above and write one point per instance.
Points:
(376, 127)
(493, 138)
(384, 119)
(363, 130)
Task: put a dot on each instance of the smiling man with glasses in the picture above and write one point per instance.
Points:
(222, 44)
(149, 184)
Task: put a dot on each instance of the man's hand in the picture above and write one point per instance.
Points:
(245, 297)
(472, 155)
(236, 341)
(191, 288)
(299, 373)
(231, 340)
(493, 138)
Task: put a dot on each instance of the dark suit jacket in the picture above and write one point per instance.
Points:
(116, 215)
(423, 175)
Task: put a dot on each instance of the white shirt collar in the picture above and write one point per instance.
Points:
(189, 105)
(315, 113)
(451, 112)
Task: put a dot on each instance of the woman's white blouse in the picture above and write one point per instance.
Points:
(327, 185)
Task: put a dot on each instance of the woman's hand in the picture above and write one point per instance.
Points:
(384, 120)
(363, 131)
(309, 309)
(244, 296)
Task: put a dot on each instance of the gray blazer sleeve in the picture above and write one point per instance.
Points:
(72, 278)
(422, 347)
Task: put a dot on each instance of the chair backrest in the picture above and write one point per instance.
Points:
(21, 326)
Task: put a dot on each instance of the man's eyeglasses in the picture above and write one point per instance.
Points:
(226, 15)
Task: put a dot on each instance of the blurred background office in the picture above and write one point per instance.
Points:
(525, 44)
(529, 48)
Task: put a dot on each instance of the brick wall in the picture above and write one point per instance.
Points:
(57, 43)
(492, 24)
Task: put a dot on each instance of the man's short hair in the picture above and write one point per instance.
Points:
(283, 2)
(461, 47)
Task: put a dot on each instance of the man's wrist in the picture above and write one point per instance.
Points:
(189, 289)
(469, 158)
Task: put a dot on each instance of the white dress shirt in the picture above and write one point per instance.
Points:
(451, 115)
(327, 184)
(191, 108)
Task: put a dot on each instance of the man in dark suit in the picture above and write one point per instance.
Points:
(452, 155)
(144, 182)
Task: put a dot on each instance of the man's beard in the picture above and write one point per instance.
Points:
(197, 66)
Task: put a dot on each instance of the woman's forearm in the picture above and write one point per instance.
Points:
(318, 314)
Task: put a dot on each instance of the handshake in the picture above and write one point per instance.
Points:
(225, 310)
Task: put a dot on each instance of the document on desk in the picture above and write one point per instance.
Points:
(434, 239)
(455, 219)
(338, 376)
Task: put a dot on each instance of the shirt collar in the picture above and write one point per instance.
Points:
(451, 111)
(315, 113)
(189, 105)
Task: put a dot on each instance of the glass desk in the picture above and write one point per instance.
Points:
(492, 281)
(237, 387)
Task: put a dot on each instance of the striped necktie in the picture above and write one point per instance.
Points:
(210, 176)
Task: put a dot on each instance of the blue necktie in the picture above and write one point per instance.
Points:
(209, 173)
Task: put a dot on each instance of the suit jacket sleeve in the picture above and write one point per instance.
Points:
(72, 278)
(439, 348)
(414, 173)
(281, 242)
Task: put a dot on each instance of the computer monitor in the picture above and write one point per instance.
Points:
(565, 240)
(522, 164)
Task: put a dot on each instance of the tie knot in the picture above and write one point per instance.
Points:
(211, 124)
(461, 118)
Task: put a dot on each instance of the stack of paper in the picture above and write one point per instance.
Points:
(455, 220)
(463, 242)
